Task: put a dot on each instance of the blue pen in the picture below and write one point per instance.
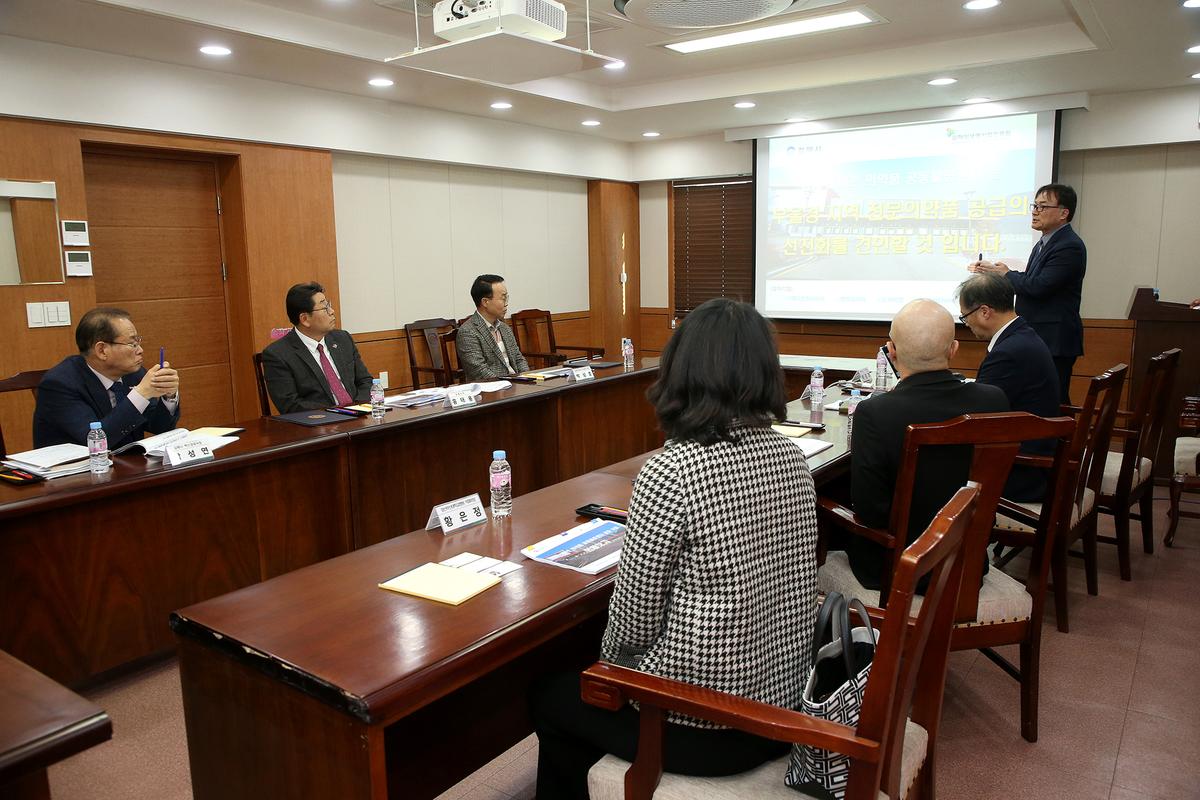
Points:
(161, 352)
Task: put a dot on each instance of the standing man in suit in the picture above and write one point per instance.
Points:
(105, 383)
(314, 365)
(1017, 361)
(921, 346)
(1049, 290)
(487, 348)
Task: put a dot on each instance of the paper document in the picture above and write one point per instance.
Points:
(811, 446)
(791, 431)
(441, 583)
(49, 457)
(155, 446)
(210, 431)
(591, 547)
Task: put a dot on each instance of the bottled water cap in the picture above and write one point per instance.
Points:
(95, 426)
(498, 454)
(376, 381)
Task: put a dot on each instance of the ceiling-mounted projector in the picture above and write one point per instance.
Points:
(699, 13)
(462, 19)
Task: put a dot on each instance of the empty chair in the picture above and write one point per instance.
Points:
(428, 331)
(528, 325)
(22, 380)
(1187, 466)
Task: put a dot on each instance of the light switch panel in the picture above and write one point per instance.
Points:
(36, 315)
(64, 312)
(383, 379)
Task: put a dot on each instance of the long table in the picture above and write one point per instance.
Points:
(91, 566)
(318, 684)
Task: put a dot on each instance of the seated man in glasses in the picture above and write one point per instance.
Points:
(315, 365)
(105, 383)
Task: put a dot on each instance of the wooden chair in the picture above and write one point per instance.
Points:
(1187, 466)
(1130, 480)
(527, 327)
(447, 343)
(993, 609)
(1070, 515)
(891, 749)
(260, 378)
(428, 330)
(22, 380)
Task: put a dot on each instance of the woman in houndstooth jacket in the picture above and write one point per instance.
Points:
(717, 581)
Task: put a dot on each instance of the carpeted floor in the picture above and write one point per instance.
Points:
(1120, 707)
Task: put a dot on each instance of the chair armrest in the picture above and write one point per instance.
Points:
(609, 686)
(840, 516)
(1069, 409)
(1024, 459)
(591, 352)
(1021, 514)
(549, 359)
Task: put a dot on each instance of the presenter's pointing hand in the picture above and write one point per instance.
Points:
(998, 268)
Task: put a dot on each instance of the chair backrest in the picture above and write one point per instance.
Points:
(22, 380)
(527, 327)
(908, 675)
(260, 378)
(448, 342)
(1093, 433)
(1150, 411)
(428, 331)
(995, 439)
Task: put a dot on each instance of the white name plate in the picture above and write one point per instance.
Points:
(177, 454)
(460, 398)
(581, 374)
(457, 514)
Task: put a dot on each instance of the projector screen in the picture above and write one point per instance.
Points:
(852, 225)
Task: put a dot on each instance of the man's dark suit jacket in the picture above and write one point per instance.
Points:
(1020, 364)
(1049, 290)
(877, 447)
(295, 381)
(70, 397)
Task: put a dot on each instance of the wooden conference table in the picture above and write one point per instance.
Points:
(91, 566)
(318, 684)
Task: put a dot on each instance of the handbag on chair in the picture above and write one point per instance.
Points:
(841, 663)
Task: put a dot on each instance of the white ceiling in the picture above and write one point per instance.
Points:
(1023, 48)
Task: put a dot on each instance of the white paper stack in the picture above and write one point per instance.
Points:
(56, 461)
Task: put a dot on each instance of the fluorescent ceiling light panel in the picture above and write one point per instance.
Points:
(650, 134)
(973, 100)
(800, 27)
(615, 65)
(1195, 49)
(980, 5)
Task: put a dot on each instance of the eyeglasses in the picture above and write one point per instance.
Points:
(1038, 208)
(135, 344)
(326, 307)
(963, 317)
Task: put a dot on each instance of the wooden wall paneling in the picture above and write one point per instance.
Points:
(205, 397)
(387, 351)
(138, 191)
(244, 342)
(655, 330)
(154, 265)
(35, 231)
(613, 240)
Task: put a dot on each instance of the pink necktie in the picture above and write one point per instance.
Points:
(496, 336)
(340, 396)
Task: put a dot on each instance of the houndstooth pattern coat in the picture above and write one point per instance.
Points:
(717, 581)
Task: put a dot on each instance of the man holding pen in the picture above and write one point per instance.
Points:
(107, 383)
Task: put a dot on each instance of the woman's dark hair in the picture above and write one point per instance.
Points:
(720, 367)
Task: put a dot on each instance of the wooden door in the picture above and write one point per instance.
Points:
(156, 250)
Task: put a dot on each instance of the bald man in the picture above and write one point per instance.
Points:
(921, 346)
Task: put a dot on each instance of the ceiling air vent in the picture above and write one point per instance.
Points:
(699, 13)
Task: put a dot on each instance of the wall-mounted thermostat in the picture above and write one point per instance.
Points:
(79, 262)
(75, 233)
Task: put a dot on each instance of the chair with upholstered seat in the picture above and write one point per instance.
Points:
(1075, 520)
(1129, 474)
(993, 609)
(22, 380)
(1187, 467)
(528, 325)
(891, 749)
(428, 331)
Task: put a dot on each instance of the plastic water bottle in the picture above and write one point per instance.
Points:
(500, 479)
(377, 407)
(855, 398)
(882, 373)
(627, 352)
(816, 386)
(97, 441)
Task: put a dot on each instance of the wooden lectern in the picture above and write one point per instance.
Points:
(1159, 326)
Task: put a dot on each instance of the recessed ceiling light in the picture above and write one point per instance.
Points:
(215, 50)
(1194, 49)
(796, 119)
(591, 123)
(651, 134)
(980, 5)
(972, 100)
(381, 82)
(615, 65)
(743, 104)
(943, 81)
(1197, 76)
(501, 106)
(828, 22)
(1191, 3)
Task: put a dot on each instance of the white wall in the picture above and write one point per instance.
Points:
(10, 271)
(697, 157)
(1133, 118)
(652, 211)
(412, 236)
(1137, 216)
